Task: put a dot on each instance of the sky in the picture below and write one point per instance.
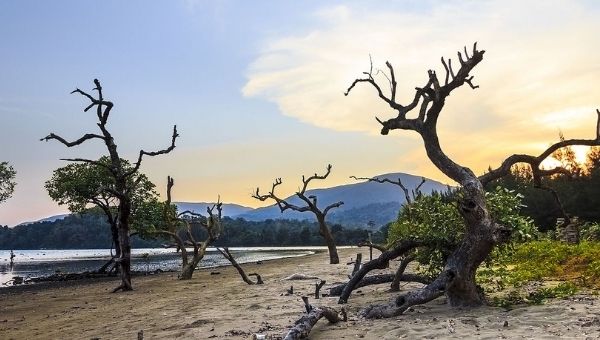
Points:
(256, 88)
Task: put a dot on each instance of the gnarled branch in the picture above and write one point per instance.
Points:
(143, 153)
(85, 137)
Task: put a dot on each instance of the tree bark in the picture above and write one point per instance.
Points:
(395, 286)
(225, 252)
(379, 279)
(329, 241)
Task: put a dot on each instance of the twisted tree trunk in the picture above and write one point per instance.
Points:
(329, 241)
(457, 280)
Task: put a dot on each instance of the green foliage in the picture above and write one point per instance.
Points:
(579, 193)
(590, 231)
(435, 219)
(82, 185)
(90, 230)
(505, 207)
(536, 297)
(538, 261)
(7, 181)
(432, 219)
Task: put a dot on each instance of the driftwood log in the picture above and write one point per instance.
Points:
(304, 325)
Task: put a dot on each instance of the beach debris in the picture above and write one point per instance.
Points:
(298, 276)
(215, 273)
(225, 252)
(505, 323)
(304, 325)
(140, 335)
(318, 286)
(290, 291)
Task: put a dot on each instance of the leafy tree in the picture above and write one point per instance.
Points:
(122, 189)
(7, 181)
(81, 185)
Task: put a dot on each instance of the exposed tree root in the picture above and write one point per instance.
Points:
(403, 302)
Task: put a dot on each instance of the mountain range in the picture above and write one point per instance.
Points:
(364, 202)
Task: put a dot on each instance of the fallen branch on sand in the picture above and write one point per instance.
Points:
(304, 325)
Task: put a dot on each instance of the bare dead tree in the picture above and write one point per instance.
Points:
(121, 174)
(310, 205)
(226, 254)
(187, 219)
(482, 234)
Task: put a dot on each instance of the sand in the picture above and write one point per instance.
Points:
(223, 307)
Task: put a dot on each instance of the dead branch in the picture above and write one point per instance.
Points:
(380, 279)
(379, 263)
(372, 245)
(143, 153)
(318, 287)
(432, 291)
(395, 287)
(85, 137)
(304, 325)
(356, 264)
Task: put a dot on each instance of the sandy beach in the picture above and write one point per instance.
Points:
(224, 307)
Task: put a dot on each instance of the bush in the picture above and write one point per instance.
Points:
(435, 219)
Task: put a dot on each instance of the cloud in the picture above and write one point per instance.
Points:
(538, 73)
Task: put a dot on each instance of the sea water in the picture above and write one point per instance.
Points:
(37, 263)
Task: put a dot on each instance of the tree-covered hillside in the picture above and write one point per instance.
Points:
(90, 231)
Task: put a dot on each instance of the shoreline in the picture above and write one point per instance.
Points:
(41, 285)
(224, 307)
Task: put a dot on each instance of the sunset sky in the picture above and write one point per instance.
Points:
(256, 87)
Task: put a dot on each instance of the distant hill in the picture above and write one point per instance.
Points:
(363, 201)
(48, 219)
(229, 209)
